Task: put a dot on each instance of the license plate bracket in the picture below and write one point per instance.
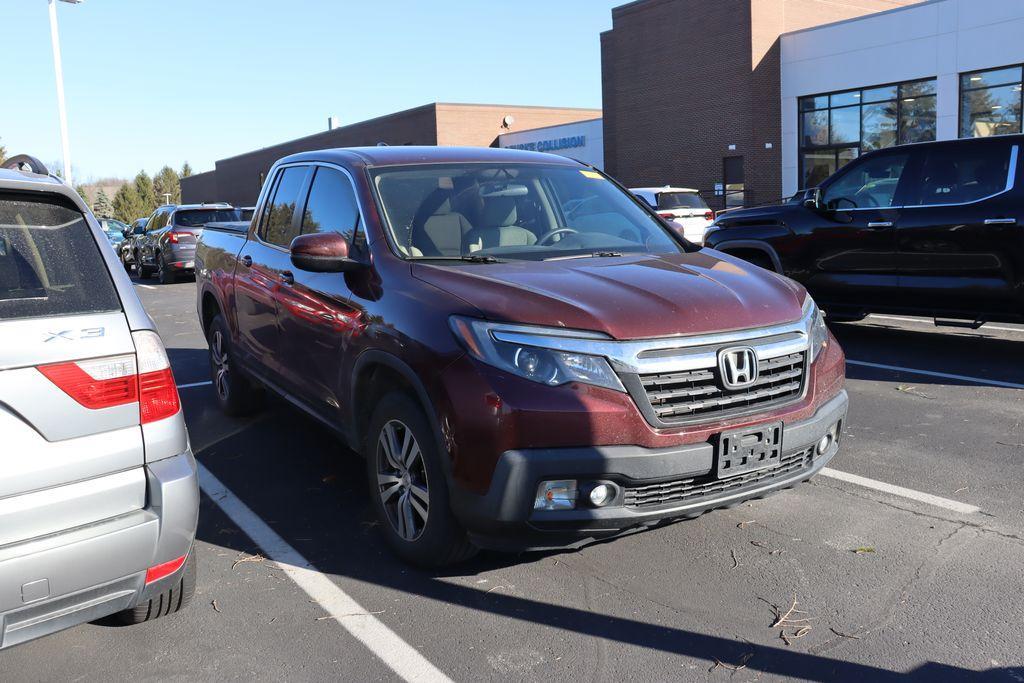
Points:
(746, 450)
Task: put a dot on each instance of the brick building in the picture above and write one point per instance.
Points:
(238, 179)
(691, 91)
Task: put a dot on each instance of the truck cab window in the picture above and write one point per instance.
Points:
(867, 185)
(278, 224)
(332, 205)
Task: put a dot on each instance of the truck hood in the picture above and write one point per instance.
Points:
(626, 297)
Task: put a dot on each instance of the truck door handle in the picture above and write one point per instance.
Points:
(287, 277)
(880, 224)
(247, 261)
(1000, 221)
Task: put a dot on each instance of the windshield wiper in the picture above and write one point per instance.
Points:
(596, 254)
(469, 258)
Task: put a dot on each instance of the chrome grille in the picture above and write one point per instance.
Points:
(677, 396)
(680, 490)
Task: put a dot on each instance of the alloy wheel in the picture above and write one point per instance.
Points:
(219, 356)
(402, 480)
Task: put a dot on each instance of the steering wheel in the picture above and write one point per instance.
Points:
(557, 231)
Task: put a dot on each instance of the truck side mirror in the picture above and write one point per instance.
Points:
(322, 252)
(812, 199)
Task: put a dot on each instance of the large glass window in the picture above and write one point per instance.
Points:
(837, 127)
(991, 102)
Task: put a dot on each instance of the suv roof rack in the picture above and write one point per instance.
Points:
(26, 164)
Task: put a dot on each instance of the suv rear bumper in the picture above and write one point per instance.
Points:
(504, 518)
(48, 584)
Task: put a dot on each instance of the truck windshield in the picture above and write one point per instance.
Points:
(515, 211)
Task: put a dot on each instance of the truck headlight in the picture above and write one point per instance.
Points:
(535, 363)
(818, 333)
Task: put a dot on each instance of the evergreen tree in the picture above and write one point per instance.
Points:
(126, 204)
(80, 189)
(186, 170)
(3, 155)
(166, 186)
(145, 194)
(102, 206)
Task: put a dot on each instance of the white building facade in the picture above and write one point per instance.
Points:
(582, 140)
(938, 70)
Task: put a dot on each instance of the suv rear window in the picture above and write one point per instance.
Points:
(197, 218)
(50, 264)
(681, 200)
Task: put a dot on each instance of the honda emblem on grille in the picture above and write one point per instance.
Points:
(738, 366)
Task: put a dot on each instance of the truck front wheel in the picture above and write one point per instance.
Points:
(408, 488)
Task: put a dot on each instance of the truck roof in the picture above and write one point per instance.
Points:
(410, 154)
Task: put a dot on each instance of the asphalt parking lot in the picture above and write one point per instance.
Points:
(911, 568)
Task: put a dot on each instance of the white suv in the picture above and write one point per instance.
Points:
(683, 207)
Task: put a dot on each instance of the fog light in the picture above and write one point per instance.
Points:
(824, 443)
(601, 495)
(556, 495)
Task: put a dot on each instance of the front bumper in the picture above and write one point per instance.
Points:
(681, 477)
(51, 583)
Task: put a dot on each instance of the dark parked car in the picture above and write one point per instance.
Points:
(167, 247)
(524, 353)
(930, 229)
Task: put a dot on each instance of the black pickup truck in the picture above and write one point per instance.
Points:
(933, 229)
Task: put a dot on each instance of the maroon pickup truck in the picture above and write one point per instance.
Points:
(524, 353)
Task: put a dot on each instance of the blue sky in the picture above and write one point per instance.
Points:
(150, 82)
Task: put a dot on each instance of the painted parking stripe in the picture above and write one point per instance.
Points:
(401, 657)
(919, 321)
(138, 284)
(195, 384)
(920, 496)
(933, 373)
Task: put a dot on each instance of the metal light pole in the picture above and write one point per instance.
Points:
(62, 112)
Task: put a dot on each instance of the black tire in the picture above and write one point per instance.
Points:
(172, 600)
(143, 271)
(236, 394)
(165, 276)
(438, 540)
(844, 316)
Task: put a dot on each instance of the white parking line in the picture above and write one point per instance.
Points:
(919, 321)
(401, 657)
(139, 284)
(919, 496)
(933, 373)
(195, 384)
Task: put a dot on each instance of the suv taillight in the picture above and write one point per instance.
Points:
(709, 215)
(118, 380)
(176, 236)
(666, 216)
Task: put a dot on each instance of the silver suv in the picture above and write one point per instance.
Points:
(98, 487)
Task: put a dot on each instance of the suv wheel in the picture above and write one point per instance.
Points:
(408, 487)
(165, 276)
(170, 601)
(236, 394)
(143, 271)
